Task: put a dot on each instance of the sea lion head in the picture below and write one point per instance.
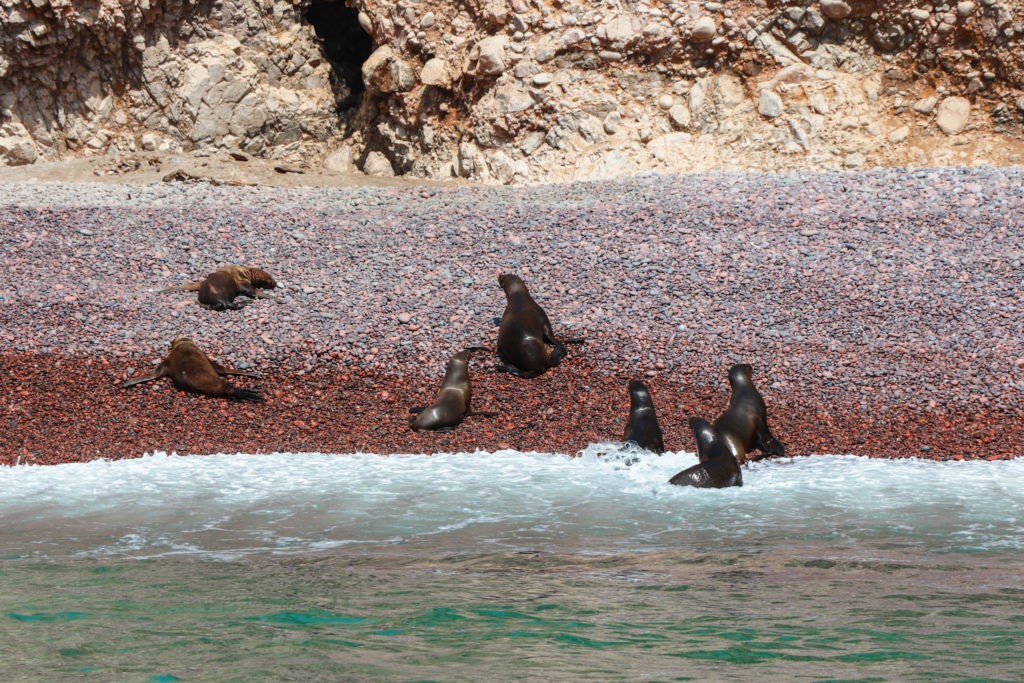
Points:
(741, 372)
(702, 429)
(639, 395)
(509, 281)
(261, 278)
(180, 340)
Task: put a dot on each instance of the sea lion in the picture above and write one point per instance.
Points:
(642, 427)
(744, 424)
(452, 403)
(717, 468)
(219, 289)
(524, 333)
(191, 369)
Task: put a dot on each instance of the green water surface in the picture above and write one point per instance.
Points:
(513, 617)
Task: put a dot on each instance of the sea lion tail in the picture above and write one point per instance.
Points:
(558, 353)
(247, 394)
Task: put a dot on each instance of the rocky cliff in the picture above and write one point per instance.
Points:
(510, 91)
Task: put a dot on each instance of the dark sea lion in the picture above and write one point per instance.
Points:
(642, 428)
(717, 468)
(524, 333)
(191, 369)
(744, 424)
(219, 289)
(452, 403)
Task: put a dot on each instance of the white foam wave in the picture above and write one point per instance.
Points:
(609, 499)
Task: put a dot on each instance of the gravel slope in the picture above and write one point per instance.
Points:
(881, 310)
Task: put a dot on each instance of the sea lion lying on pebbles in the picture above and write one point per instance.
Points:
(642, 428)
(744, 424)
(452, 403)
(219, 289)
(192, 370)
(524, 333)
(717, 468)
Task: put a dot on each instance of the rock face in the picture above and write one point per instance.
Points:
(505, 91)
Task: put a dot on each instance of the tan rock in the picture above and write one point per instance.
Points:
(436, 72)
(952, 115)
(386, 72)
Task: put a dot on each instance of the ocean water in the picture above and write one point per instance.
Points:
(510, 566)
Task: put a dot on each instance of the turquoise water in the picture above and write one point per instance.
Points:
(510, 566)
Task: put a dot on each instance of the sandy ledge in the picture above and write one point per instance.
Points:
(881, 311)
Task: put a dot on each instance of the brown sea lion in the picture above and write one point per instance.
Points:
(524, 333)
(452, 403)
(192, 370)
(219, 289)
(642, 428)
(717, 468)
(744, 424)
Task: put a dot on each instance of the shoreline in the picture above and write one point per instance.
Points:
(880, 310)
(73, 410)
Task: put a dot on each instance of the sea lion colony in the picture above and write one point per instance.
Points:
(526, 347)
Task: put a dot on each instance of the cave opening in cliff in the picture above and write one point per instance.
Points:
(346, 46)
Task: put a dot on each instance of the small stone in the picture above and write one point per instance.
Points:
(899, 135)
(965, 9)
(612, 122)
(404, 318)
(149, 142)
(835, 9)
(377, 164)
(427, 21)
(919, 14)
(926, 105)
(680, 116)
(855, 160)
(952, 115)
(542, 79)
(769, 104)
(666, 102)
(85, 231)
(436, 72)
(704, 29)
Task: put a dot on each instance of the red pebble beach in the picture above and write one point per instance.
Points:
(881, 313)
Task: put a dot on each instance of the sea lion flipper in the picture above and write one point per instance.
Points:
(513, 370)
(246, 394)
(769, 445)
(161, 371)
(221, 370)
(191, 287)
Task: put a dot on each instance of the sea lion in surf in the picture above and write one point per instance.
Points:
(642, 427)
(219, 289)
(527, 346)
(717, 468)
(452, 402)
(744, 424)
(192, 370)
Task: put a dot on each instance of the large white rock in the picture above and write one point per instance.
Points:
(436, 72)
(952, 114)
(704, 29)
(377, 164)
(487, 58)
(769, 104)
(835, 9)
(384, 71)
